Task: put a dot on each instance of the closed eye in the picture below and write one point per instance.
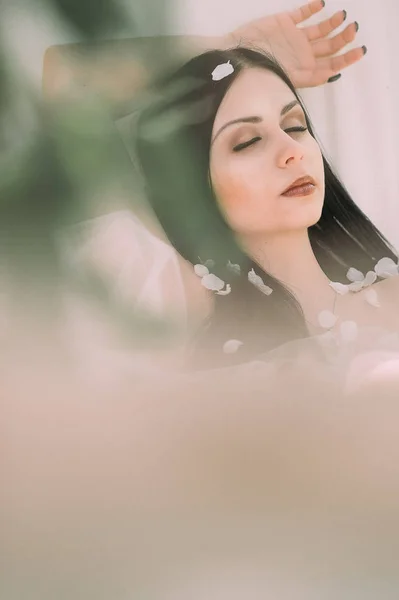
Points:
(256, 139)
(245, 144)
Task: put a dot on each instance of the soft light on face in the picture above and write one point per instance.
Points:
(252, 163)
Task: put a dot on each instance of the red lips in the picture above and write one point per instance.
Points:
(301, 181)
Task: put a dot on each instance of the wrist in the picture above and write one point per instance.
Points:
(226, 41)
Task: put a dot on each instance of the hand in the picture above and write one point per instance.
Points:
(305, 53)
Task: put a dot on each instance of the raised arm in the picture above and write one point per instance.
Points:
(120, 69)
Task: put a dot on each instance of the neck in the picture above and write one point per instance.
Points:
(290, 259)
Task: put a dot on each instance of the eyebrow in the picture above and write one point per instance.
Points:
(283, 112)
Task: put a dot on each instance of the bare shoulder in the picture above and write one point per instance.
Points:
(388, 288)
(361, 307)
(388, 299)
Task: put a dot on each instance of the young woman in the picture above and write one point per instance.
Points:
(221, 142)
(308, 57)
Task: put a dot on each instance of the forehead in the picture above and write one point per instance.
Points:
(254, 92)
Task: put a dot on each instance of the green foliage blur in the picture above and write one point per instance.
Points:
(64, 163)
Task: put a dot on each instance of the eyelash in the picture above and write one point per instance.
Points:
(244, 145)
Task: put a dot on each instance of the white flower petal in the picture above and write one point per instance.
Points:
(209, 263)
(327, 319)
(387, 274)
(258, 282)
(349, 331)
(356, 286)
(354, 275)
(212, 282)
(234, 268)
(254, 278)
(201, 270)
(372, 298)
(371, 277)
(222, 71)
(231, 346)
(340, 288)
(265, 289)
(386, 267)
(226, 291)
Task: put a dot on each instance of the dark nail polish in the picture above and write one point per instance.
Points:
(364, 48)
(334, 78)
(357, 26)
(323, 3)
(345, 14)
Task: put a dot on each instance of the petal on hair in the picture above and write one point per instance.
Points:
(354, 275)
(254, 278)
(340, 288)
(265, 289)
(371, 277)
(372, 298)
(226, 291)
(212, 282)
(222, 71)
(386, 268)
(231, 346)
(209, 263)
(327, 319)
(201, 270)
(234, 268)
(349, 331)
(258, 282)
(356, 286)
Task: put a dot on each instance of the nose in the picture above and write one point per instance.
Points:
(289, 151)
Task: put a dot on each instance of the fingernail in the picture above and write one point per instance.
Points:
(345, 14)
(364, 48)
(357, 26)
(334, 78)
(323, 3)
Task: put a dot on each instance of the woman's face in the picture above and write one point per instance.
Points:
(248, 183)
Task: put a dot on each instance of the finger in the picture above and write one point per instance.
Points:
(315, 32)
(337, 63)
(330, 46)
(306, 11)
(328, 67)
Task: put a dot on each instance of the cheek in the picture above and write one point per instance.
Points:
(238, 185)
(317, 159)
(242, 198)
(232, 191)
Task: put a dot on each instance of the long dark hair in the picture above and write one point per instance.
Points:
(173, 147)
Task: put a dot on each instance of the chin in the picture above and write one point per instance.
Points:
(304, 221)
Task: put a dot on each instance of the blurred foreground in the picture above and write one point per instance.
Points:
(123, 478)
